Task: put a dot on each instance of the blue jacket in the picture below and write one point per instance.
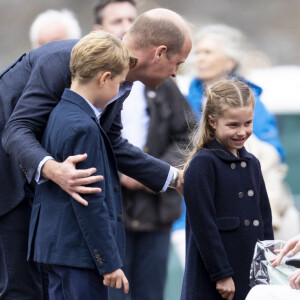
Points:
(29, 89)
(227, 211)
(264, 123)
(62, 231)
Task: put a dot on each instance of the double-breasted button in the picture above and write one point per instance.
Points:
(250, 193)
(247, 222)
(243, 164)
(232, 166)
(117, 188)
(256, 223)
(241, 195)
(120, 218)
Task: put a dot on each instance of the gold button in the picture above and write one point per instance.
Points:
(243, 164)
(256, 223)
(246, 222)
(232, 166)
(250, 193)
(241, 195)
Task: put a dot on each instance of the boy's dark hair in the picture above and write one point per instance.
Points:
(98, 16)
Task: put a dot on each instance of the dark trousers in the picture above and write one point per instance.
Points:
(145, 266)
(19, 279)
(69, 283)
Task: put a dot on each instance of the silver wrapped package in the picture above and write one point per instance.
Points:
(262, 272)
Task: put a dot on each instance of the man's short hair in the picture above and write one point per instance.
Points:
(147, 32)
(98, 10)
(99, 51)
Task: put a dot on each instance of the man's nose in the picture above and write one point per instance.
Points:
(174, 74)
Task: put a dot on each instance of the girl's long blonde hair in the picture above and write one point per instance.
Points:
(221, 95)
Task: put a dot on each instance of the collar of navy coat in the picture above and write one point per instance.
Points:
(76, 99)
(224, 154)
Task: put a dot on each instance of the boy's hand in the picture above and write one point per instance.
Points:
(115, 279)
(70, 179)
(292, 247)
(226, 288)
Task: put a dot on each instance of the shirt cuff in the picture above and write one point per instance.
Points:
(169, 178)
(37, 176)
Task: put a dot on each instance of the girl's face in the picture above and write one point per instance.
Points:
(211, 61)
(234, 128)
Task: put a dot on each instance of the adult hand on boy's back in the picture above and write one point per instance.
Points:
(226, 288)
(70, 179)
(115, 279)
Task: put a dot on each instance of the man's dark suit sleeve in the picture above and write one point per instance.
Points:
(48, 78)
(133, 162)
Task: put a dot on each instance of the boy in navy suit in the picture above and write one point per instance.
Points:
(78, 245)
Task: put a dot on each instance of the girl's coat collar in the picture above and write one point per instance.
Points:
(224, 154)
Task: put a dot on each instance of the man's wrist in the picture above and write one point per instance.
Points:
(38, 177)
(174, 180)
(49, 169)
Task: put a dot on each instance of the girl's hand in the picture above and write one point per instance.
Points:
(226, 288)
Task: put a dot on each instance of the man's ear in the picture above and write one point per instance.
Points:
(103, 77)
(159, 52)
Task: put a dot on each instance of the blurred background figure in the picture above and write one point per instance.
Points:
(115, 16)
(219, 52)
(285, 216)
(156, 121)
(53, 25)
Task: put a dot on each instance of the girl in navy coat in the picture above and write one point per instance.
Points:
(227, 203)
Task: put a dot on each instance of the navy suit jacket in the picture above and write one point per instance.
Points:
(29, 89)
(62, 231)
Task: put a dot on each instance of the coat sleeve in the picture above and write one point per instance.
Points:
(95, 220)
(48, 78)
(133, 162)
(199, 186)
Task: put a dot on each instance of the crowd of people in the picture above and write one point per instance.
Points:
(100, 148)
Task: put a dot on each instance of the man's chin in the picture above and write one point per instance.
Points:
(152, 85)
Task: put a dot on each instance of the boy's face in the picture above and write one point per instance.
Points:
(110, 88)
